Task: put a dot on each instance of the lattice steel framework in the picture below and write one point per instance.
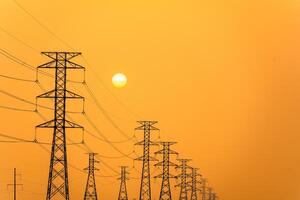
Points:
(210, 193)
(145, 188)
(90, 189)
(123, 189)
(58, 186)
(193, 184)
(165, 191)
(184, 167)
(203, 188)
(214, 196)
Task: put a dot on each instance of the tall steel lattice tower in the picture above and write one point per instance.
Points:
(58, 186)
(123, 189)
(183, 178)
(145, 188)
(194, 183)
(165, 192)
(90, 189)
(203, 188)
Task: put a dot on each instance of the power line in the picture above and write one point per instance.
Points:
(74, 167)
(31, 67)
(16, 109)
(105, 138)
(28, 102)
(42, 25)
(105, 113)
(17, 39)
(17, 139)
(107, 89)
(17, 79)
(101, 139)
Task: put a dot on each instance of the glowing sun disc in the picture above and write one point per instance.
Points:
(119, 80)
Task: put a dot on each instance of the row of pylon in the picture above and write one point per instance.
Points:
(191, 182)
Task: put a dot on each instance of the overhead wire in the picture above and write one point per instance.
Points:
(105, 113)
(31, 67)
(28, 102)
(17, 79)
(17, 39)
(42, 25)
(99, 79)
(16, 139)
(104, 137)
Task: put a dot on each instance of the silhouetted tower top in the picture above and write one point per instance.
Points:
(165, 192)
(123, 189)
(145, 188)
(90, 189)
(184, 167)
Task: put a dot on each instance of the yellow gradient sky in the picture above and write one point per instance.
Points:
(221, 77)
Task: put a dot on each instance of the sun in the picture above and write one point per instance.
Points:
(119, 80)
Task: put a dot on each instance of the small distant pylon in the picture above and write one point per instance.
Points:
(165, 192)
(214, 196)
(210, 193)
(145, 188)
(15, 185)
(183, 178)
(194, 183)
(123, 189)
(90, 190)
(203, 188)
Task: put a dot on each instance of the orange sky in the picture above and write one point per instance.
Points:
(221, 77)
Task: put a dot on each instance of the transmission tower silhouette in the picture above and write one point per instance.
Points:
(15, 184)
(145, 188)
(58, 184)
(203, 188)
(214, 196)
(194, 183)
(210, 193)
(165, 192)
(183, 178)
(123, 189)
(90, 189)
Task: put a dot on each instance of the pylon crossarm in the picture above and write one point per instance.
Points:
(50, 94)
(72, 65)
(61, 55)
(70, 124)
(50, 64)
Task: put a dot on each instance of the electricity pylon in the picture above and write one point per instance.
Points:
(165, 192)
(203, 188)
(210, 193)
(15, 184)
(214, 196)
(90, 189)
(183, 178)
(145, 188)
(194, 183)
(58, 184)
(123, 189)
